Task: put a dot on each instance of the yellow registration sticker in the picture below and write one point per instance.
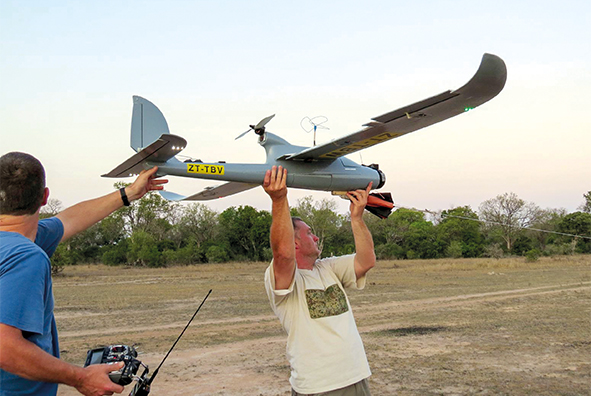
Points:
(206, 169)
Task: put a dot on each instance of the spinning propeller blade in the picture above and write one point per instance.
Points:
(263, 122)
(259, 128)
(242, 134)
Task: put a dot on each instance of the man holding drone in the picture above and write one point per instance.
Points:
(29, 350)
(324, 347)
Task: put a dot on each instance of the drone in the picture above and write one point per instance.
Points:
(322, 167)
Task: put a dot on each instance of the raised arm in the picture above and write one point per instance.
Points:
(365, 257)
(79, 217)
(282, 234)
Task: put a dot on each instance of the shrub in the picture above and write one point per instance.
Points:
(532, 255)
(454, 250)
(388, 251)
(217, 254)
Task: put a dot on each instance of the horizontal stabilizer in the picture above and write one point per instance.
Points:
(170, 196)
(210, 193)
(163, 149)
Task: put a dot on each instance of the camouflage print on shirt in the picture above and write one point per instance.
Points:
(329, 302)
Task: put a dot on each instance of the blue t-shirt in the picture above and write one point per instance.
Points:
(26, 298)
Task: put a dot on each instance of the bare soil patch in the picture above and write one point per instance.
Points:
(437, 327)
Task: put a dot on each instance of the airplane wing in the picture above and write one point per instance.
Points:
(209, 193)
(488, 81)
(163, 149)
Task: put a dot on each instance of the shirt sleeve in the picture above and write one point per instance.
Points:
(276, 296)
(22, 289)
(344, 269)
(49, 234)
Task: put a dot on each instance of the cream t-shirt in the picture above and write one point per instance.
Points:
(324, 347)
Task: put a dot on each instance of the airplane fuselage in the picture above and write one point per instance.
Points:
(341, 174)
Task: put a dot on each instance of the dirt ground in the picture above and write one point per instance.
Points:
(438, 327)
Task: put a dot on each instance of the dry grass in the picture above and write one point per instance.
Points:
(480, 326)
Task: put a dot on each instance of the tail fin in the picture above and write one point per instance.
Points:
(147, 123)
(150, 139)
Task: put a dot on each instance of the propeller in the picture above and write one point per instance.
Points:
(259, 128)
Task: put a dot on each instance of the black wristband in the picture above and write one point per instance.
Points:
(124, 197)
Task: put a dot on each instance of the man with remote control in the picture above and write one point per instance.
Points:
(324, 348)
(29, 349)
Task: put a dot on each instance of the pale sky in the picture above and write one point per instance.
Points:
(68, 70)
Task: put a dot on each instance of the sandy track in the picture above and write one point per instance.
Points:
(367, 310)
(258, 367)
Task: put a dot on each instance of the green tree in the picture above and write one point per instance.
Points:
(143, 250)
(421, 241)
(115, 254)
(198, 224)
(405, 234)
(586, 206)
(577, 223)
(152, 214)
(245, 231)
(546, 223)
(460, 227)
(395, 227)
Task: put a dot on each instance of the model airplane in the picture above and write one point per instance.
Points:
(322, 167)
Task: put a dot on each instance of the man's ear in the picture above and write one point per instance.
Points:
(45, 196)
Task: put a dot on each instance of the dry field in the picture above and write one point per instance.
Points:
(437, 327)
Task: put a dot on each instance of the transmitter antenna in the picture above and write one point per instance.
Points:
(142, 388)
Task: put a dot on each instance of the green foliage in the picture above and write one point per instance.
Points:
(154, 232)
(63, 256)
(198, 224)
(548, 220)
(586, 206)
(143, 250)
(578, 223)
(217, 254)
(460, 227)
(185, 255)
(245, 231)
(116, 254)
(522, 245)
(389, 251)
(454, 250)
(532, 255)
(421, 239)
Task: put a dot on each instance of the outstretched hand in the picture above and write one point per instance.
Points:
(144, 183)
(358, 200)
(275, 182)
